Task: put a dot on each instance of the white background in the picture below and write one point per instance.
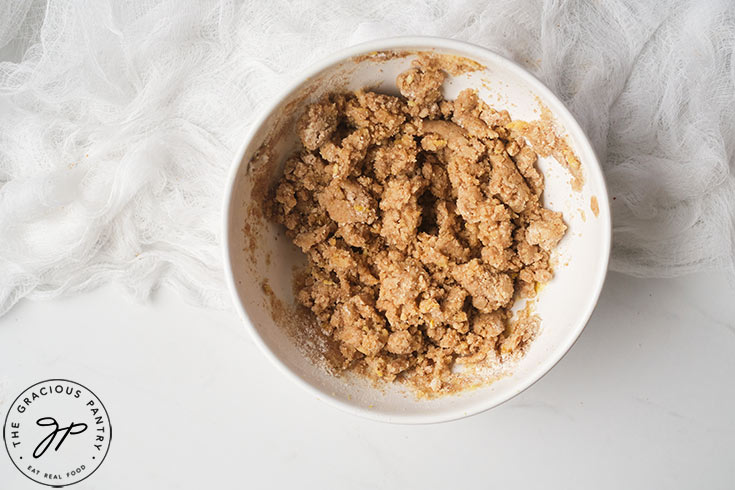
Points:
(645, 399)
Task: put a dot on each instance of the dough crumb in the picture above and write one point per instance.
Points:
(594, 206)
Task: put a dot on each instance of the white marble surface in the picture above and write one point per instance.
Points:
(645, 399)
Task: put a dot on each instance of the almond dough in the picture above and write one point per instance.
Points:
(422, 222)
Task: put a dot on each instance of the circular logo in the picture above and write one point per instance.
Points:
(57, 432)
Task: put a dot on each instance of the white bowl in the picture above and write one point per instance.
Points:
(564, 305)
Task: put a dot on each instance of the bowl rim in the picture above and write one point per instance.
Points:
(472, 51)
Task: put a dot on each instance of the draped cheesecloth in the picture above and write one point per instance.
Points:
(119, 120)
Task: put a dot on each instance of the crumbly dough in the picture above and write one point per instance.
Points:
(422, 222)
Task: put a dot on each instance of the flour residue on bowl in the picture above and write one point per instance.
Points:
(303, 328)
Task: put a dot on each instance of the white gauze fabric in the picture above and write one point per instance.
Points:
(119, 120)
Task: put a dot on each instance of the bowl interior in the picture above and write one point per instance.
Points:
(259, 251)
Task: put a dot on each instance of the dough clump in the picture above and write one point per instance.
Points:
(422, 222)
